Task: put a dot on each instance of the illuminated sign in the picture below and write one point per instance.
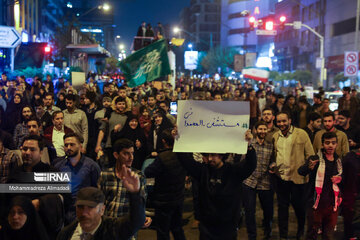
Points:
(191, 59)
(96, 30)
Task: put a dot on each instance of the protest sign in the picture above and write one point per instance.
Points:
(78, 79)
(212, 127)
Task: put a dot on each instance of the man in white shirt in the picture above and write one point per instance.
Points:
(55, 133)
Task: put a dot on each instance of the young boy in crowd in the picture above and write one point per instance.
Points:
(323, 195)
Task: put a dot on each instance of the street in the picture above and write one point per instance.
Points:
(193, 234)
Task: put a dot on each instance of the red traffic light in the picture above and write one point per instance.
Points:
(282, 19)
(252, 19)
(269, 25)
(47, 49)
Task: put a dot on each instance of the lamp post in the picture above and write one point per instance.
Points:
(106, 7)
(297, 25)
(177, 30)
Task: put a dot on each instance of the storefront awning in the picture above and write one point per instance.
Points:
(91, 49)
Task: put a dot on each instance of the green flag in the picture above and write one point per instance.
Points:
(146, 64)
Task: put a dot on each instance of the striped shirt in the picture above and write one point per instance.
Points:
(260, 178)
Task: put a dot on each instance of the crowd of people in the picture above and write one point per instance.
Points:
(112, 139)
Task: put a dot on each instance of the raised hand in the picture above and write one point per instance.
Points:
(130, 179)
(248, 135)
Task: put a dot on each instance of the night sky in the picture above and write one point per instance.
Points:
(130, 13)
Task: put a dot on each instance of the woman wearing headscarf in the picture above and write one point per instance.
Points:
(160, 123)
(23, 222)
(61, 101)
(135, 133)
(13, 113)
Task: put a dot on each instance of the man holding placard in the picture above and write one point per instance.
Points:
(220, 190)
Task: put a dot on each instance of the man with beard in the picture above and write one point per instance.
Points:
(219, 190)
(50, 108)
(90, 111)
(351, 131)
(292, 147)
(34, 128)
(84, 171)
(21, 130)
(268, 117)
(55, 133)
(329, 124)
(76, 120)
(314, 125)
(259, 184)
(151, 103)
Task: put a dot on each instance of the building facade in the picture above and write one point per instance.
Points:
(201, 22)
(299, 49)
(235, 28)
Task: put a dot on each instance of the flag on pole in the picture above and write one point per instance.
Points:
(257, 74)
(146, 64)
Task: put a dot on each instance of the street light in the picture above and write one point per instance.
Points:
(106, 7)
(177, 30)
(297, 25)
(121, 46)
(190, 46)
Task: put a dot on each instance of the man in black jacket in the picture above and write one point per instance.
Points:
(168, 190)
(91, 224)
(220, 191)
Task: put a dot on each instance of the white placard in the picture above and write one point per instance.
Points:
(77, 79)
(212, 127)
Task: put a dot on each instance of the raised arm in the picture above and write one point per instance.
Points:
(127, 226)
(191, 166)
(246, 167)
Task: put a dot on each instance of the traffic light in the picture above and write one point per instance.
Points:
(282, 22)
(260, 24)
(47, 49)
(269, 25)
(252, 21)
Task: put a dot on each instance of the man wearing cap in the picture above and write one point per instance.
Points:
(91, 224)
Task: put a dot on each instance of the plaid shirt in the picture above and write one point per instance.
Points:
(116, 196)
(21, 131)
(8, 161)
(260, 178)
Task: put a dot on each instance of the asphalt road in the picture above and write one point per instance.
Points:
(193, 234)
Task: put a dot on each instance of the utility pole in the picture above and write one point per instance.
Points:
(357, 35)
(297, 25)
(357, 25)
